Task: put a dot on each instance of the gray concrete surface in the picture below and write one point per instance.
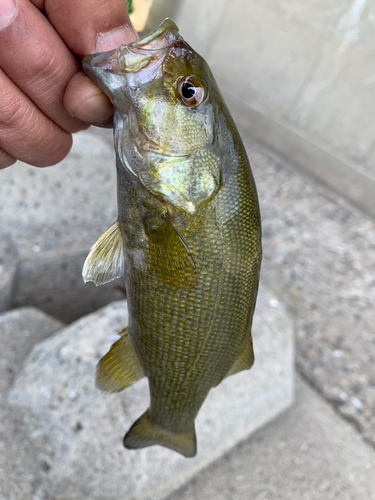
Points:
(20, 329)
(307, 69)
(52, 281)
(76, 432)
(308, 453)
(319, 259)
(53, 216)
(8, 269)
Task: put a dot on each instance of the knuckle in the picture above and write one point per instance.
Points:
(14, 111)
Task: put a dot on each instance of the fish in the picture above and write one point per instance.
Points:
(187, 238)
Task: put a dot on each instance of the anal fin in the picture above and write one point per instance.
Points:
(144, 433)
(120, 367)
(105, 262)
(245, 360)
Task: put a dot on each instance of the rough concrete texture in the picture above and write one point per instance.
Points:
(54, 216)
(308, 453)
(52, 281)
(309, 64)
(19, 330)
(8, 268)
(77, 432)
(66, 205)
(319, 259)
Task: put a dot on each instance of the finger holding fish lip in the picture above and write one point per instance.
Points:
(38, 62)
(5, 159)
(25, 132)
(34, 53)
(107, 27)
(83, 99)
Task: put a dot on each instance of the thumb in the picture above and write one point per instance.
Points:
(89, 26)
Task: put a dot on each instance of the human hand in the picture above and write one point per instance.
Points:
(44, 97)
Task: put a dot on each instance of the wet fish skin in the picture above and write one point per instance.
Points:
(188, 236)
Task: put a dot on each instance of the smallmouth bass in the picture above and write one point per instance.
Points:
(187, 238)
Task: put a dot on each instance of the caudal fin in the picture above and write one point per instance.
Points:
(144, 433)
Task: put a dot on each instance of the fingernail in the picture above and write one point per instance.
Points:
(8, 11)
(114, 38)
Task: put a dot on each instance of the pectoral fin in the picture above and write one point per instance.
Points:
(245, 360)
(170, 257)
(120, 367)
(105, 262)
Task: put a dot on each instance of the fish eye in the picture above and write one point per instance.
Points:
(191, 90)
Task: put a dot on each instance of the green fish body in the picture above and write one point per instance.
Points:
(187, 238)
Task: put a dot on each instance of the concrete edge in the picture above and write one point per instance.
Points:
(347, 179)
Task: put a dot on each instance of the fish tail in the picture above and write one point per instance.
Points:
(144, 433)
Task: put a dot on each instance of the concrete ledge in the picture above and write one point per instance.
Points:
(349, 180)
(78, 431)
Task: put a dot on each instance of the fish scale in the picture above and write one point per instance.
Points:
(188, 233)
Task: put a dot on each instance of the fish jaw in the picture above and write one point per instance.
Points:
(132, 65)
(103, 70)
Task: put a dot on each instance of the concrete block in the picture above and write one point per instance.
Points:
(52, 281)
(20, 330)
(54, 216)
(8, 268)
(66, 205)
(78, 431)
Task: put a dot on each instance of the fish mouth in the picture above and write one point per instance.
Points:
(164, 36)
(134, 64)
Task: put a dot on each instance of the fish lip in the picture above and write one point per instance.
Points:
(107, 61)
(167, 32)
(167, 27)
(142, 58)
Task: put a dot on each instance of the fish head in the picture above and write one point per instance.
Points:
(166, 122)
(166, 87)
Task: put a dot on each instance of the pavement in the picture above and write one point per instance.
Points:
(319, 260)
(308, 453)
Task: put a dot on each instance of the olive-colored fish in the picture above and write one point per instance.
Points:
(187, 238)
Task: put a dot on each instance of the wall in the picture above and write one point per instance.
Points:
(300, 76)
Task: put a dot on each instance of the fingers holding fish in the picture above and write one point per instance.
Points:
(25, 132)
(84, 100)
(89, 26)
(5, 159)
(39, 63)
